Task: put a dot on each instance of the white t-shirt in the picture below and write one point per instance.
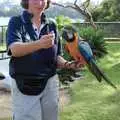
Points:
(38, 30)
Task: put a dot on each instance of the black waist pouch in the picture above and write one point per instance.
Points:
(30, 85)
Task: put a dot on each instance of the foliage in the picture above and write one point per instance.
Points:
(67, 75)
(62, 21)
(108, 11)
(2, 47)
(3, 39)
(95, 38)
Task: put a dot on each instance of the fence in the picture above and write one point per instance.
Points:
(111, 30)
(3, 48)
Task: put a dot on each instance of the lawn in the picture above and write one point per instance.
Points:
(91, 100)
(3, 47)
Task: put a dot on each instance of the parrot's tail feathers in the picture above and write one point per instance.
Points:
(95, 71)
(108, 81)
(101, 73)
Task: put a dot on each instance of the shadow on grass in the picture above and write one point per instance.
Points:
(116, 67)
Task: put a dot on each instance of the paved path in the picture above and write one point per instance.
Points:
(5, 96)
(4, 69)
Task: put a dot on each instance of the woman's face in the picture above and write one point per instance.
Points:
(37, 5)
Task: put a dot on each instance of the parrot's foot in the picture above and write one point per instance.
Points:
(71, 80)
(78, 77)
(66, 83)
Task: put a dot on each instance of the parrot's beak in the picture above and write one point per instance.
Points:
(69, 33)
(69, 36)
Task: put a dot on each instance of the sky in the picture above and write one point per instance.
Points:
(18, 1)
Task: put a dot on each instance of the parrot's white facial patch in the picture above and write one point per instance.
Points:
(70, 35)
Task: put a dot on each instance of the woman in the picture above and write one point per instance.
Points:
(35, 54)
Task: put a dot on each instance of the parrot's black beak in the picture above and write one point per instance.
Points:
(69, 33)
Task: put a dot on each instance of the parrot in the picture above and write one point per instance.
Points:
(81, 51)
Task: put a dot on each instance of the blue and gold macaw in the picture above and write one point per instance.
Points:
(82, 52)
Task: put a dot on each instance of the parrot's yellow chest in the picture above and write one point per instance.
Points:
(73, 49)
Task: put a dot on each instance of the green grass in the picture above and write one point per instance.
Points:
(2, 47)
(91, 100)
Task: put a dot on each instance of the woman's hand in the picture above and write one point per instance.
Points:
(73, 65)
(46, 41)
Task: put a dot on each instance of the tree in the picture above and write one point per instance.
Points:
(108, 11)
(81, 8)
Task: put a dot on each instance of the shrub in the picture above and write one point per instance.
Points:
(95, 38)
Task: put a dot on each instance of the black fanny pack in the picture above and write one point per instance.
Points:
(31, 85)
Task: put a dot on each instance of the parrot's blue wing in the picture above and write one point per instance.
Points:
(94, 70)
(101, 73)
(87, 54)
(85, 50)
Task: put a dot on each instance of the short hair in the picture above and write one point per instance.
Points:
(24, 4)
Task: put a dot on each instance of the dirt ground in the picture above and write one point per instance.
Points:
(5, 104)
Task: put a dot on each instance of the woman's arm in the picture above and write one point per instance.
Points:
(15, 44)
(19, 49)
(62, 63)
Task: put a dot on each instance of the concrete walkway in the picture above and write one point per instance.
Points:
(4, 69)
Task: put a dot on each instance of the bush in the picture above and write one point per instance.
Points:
(3, 38)
(95, 38)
